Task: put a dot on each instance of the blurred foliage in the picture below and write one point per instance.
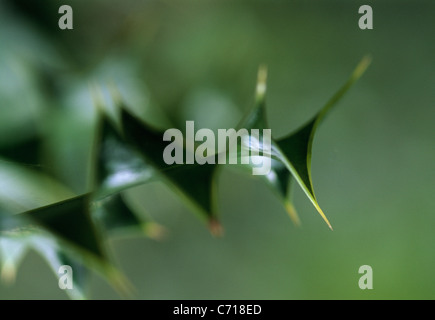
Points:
(176, 61)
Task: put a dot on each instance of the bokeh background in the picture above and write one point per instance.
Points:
(373, 158)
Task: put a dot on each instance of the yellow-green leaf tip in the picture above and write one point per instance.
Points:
(323, 216)
(292, 213)
(8, 273)
(261, 82)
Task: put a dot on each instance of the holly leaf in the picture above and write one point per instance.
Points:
(118, 166)
(116, 219)
(292, 154)
(295, 150)
(194, 183)
(70, 220)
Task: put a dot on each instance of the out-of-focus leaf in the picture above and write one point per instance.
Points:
(281, 182)
(118, 165)
(56, 257)
(23, 93)
(65, 233)
(76, 236)
(26, 152)
(279, 178)
(195, 182)
(115, 218)
(10, 222)
(12, 250)
(133, 155)
(13, 245)
(256, 118)
(18, 234)
(70, 220)
(22, 188)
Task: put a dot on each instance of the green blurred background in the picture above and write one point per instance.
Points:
(373, 159)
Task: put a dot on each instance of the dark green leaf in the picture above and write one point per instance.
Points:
(115, 218)
(70, 220)
(194, 181)
(118, 165)
(295, 150)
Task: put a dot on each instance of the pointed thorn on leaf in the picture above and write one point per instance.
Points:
(215, 228)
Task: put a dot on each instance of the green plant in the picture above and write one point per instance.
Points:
(127, 153)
